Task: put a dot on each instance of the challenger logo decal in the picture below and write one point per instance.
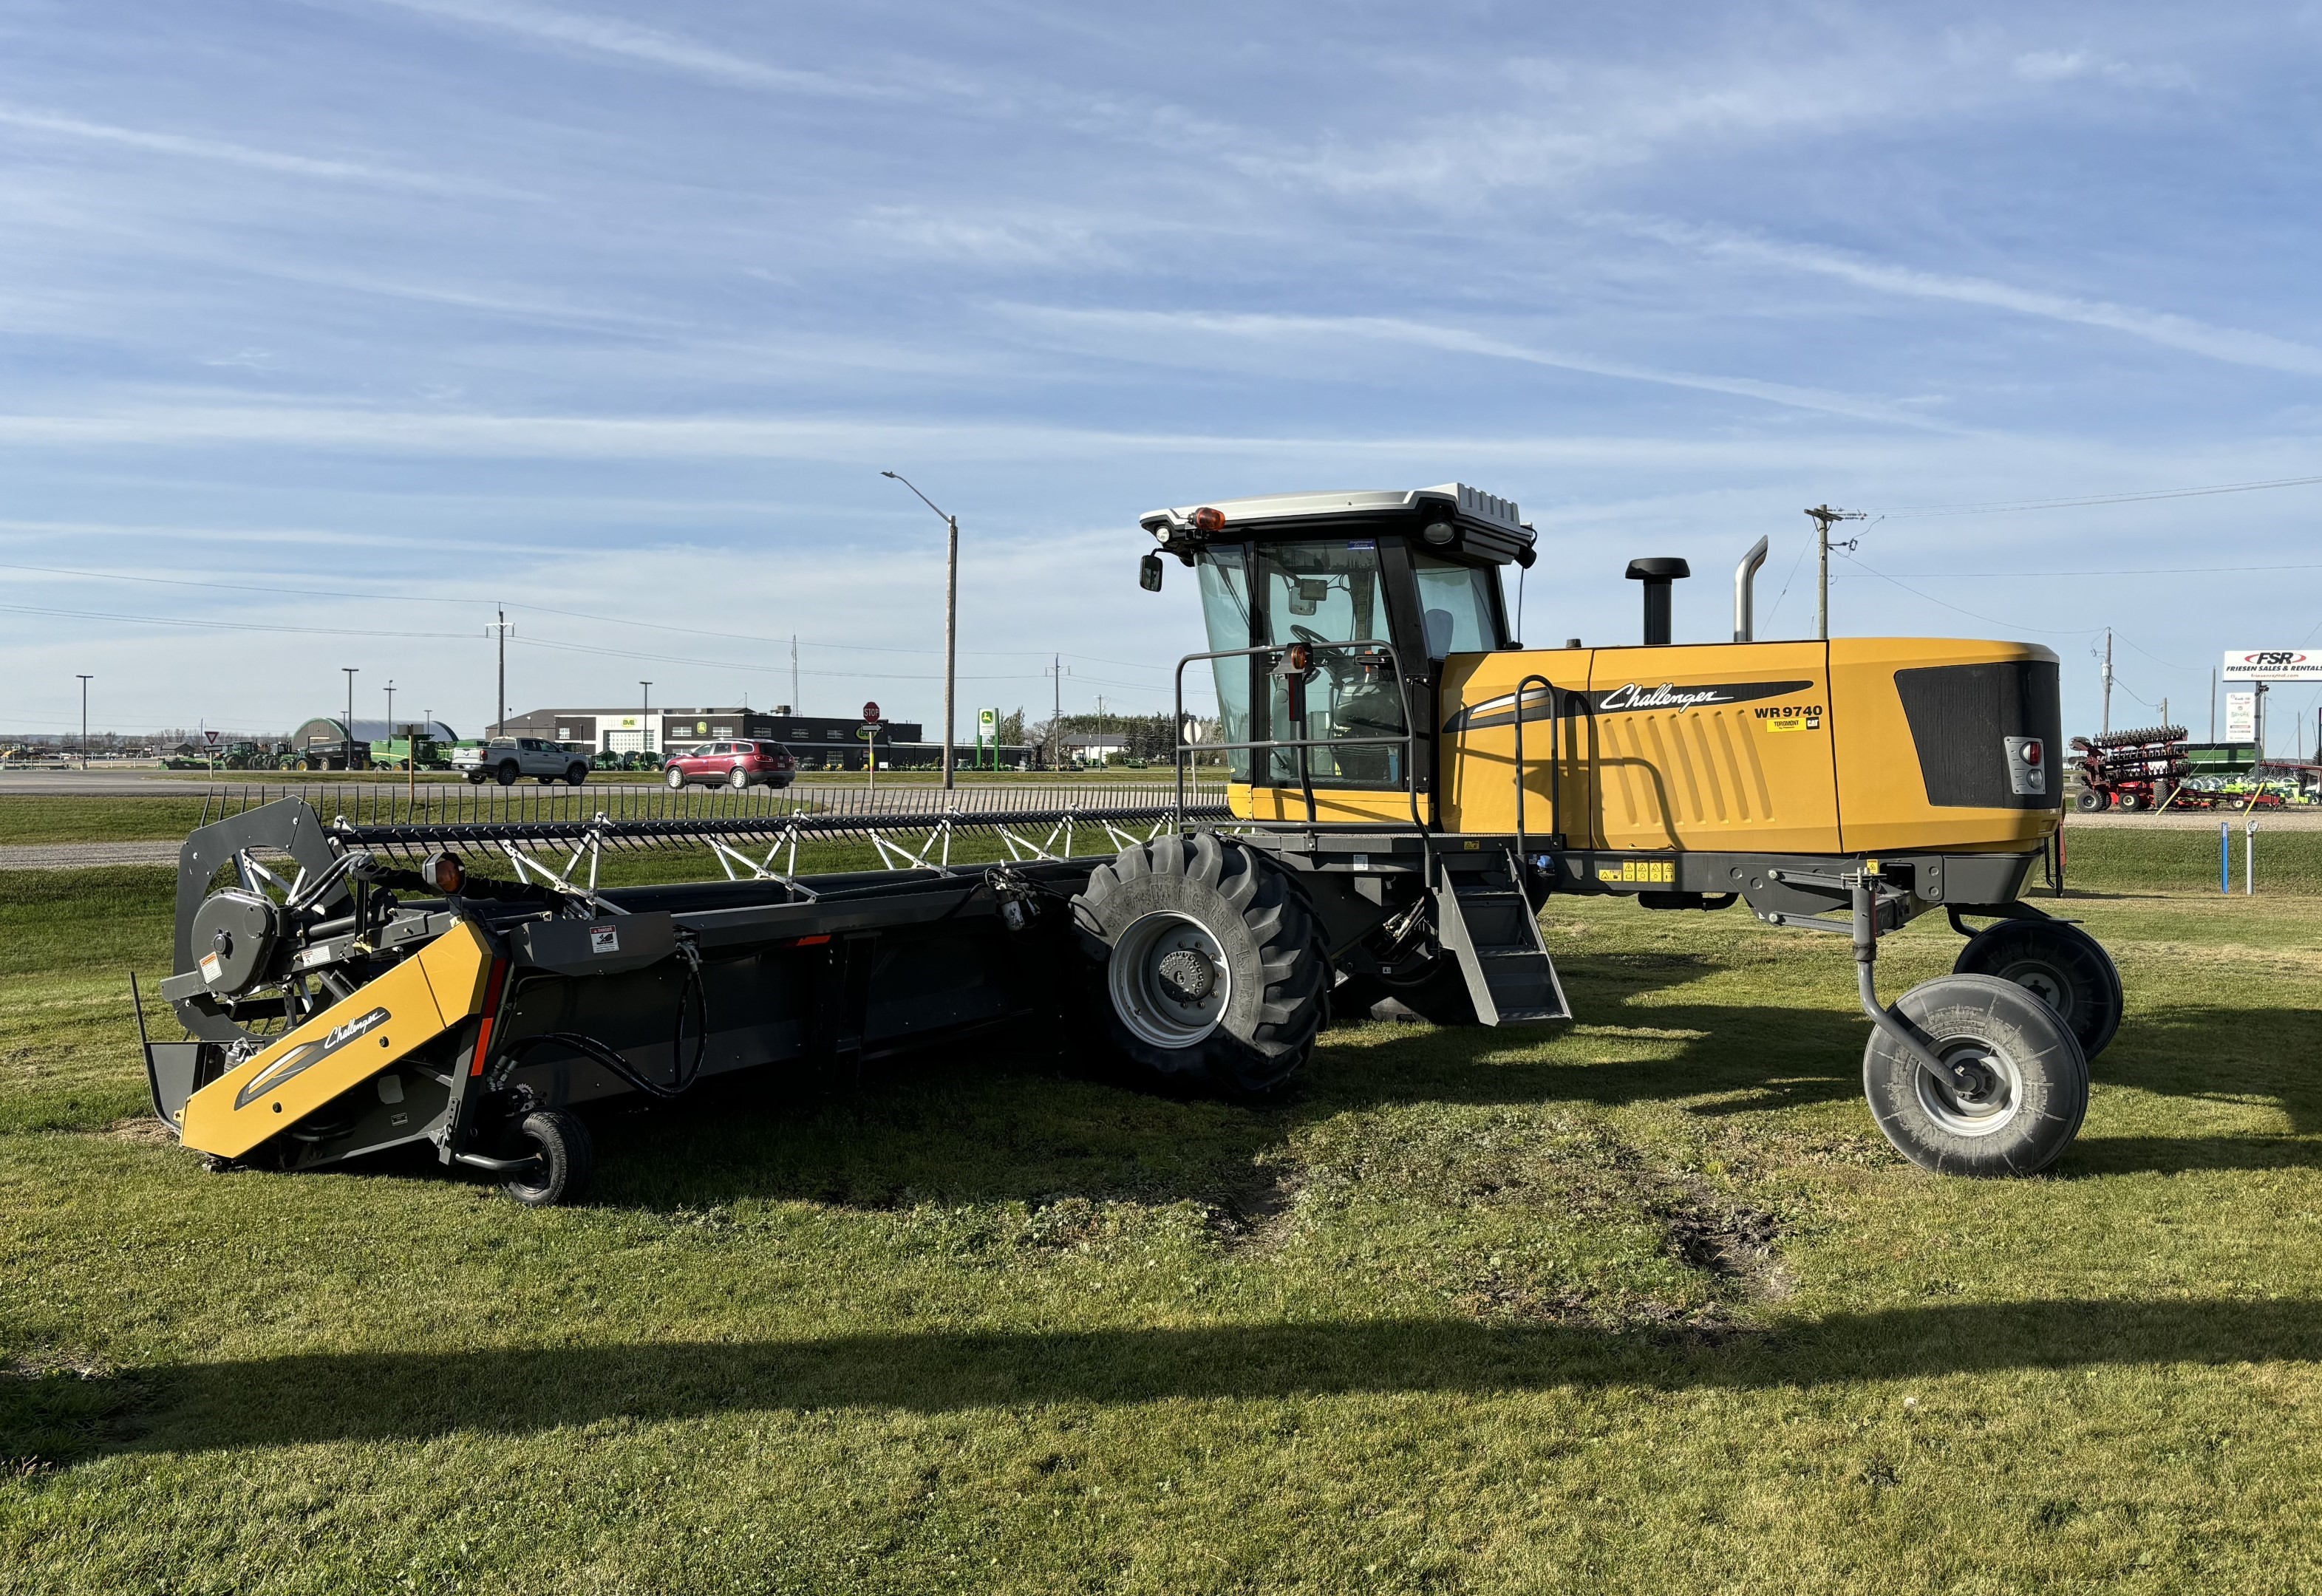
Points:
(1629, 697)
(306, 1055)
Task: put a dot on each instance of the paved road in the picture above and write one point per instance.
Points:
(2201, 820)
(85, 855)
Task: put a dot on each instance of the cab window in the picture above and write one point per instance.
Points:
(1460, 605)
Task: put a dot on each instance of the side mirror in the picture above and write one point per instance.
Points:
(1149, 573)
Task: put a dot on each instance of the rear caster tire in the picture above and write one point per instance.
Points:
(2062, 965)
(1203, 964)
(2034, 1080)
(2089, 802)
(563, 1155)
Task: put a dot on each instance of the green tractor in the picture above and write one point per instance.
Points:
(403, 753)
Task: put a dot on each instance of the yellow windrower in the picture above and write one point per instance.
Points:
(1767, 747)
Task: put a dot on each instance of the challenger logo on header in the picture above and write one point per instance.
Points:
(1630, 697)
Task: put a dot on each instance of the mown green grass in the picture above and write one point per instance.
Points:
(66, 819)
(1641, 1304)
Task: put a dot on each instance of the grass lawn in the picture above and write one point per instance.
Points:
(1640, 1304)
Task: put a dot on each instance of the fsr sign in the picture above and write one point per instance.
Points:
(2272, 664)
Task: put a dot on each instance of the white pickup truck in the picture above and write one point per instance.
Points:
(508, 759)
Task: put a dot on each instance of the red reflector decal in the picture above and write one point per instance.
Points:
(809, 941)
(491, 1013)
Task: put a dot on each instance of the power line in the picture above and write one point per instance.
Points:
(2008, 506)
(2156, 570)
(1978, 614)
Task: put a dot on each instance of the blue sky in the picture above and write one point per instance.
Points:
(618, 312)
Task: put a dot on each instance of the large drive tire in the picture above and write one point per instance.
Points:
(2036, 1080)
(563, 1158)
(2062, 965)
(1207, 970)
(507, 774)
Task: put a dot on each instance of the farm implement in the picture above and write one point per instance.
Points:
(1407, 787)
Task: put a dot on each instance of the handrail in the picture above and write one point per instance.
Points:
(1408, 740)
(1555, 771)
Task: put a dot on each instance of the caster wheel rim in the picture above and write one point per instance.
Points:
(2043, 981)
(1983, 1113)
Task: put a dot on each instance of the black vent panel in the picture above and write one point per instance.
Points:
(1960, 717)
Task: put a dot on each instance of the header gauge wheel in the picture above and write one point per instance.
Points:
(2029, 1083)
(1206, 970)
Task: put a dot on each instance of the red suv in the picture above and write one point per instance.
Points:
(731, 764)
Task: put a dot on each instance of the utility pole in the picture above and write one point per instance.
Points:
(2107, 681)
(1057, 715)
(2213, 707)
(644, 718)
(351, 671)
(2164, 712)
(1823, 516)
(502, 626)
(798, 705)
(390, 710)
(951, 619)
(84, 721)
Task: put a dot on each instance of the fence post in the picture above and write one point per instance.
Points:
(2249, 859)
(2226, 857)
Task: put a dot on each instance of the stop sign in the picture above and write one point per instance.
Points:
(871, 711)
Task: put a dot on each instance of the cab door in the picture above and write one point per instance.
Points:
(1722, 747)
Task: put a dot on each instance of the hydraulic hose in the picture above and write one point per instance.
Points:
(682, 1080)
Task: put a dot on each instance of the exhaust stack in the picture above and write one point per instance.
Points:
(1657, 575)
(1745, 581)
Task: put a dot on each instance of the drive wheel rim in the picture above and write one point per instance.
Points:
(1169, 981)
(1984, 1113)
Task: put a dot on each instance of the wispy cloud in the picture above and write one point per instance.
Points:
(219, 150)
(2063, 66)
(2233, 345)
(626, 40)
(823, 439)
(1163, 336)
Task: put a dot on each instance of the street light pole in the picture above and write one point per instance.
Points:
(84, 721)
(349, 752)
(645, 716)
(951, 620)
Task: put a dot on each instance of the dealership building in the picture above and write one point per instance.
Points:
(815, 740)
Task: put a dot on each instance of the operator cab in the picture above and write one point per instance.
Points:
(1328, 617)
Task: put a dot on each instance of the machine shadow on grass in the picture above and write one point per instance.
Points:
(984, 1125)
(403, 1396)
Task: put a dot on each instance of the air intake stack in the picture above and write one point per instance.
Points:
(1657, 575)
